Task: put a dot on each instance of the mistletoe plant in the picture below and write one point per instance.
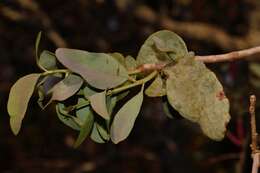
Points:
(90, 85)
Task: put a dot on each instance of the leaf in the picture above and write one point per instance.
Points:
(66, 88)
(119, 57)
(44, 87)
(87, 125)
(48, 60)
(98, 103)
(100, 70)
(111, 103)
(95, 135)
(130, 63)
(195, 92)
(37, 42)
(161, 46)
(65, 118)
(125, 118)
(81, 113)
(156, 89)
(103, 132)
(19, 97)
(168, 109)
(88, 92)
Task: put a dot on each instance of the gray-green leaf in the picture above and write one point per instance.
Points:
(95, 135)
(19, 97)
(86, 127)
(98, 103)
(100, 70)
(65, 118)
(66, 88)
(161, 46)
(156, 89)
(195, 92)
(125, 118)
(48, 60)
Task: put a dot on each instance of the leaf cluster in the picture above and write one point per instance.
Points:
(88, 90)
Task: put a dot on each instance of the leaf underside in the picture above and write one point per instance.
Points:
(195, 92)
(100, 70)
(19, 97)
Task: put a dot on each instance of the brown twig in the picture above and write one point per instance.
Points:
(254, 145)
(254, 135)
(232, 56)
(229, 56)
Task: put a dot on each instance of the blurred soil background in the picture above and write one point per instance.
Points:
(157, 144)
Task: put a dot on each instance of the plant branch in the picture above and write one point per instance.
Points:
(55, 71)
(235, 55)
(254, 135)
(138, 82)
(117, 90)
(232, 56)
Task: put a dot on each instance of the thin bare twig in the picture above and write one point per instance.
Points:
(254, 135)
(235, 55)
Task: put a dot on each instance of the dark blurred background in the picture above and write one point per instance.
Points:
(157, 144)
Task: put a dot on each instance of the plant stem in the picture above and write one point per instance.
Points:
(139, 82)
(55, 71)
(117, 90)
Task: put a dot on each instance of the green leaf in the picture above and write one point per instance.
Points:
(103, 132)
(156, 89)
(66, 88)
(81, 113)
(195, 92)
(98, 103)
(41, 96)
(65, 118)
(125, 118)
(130, 63)
(162, 46)
(119, 57)
(37, 42)
(95, 135)
(87, 126)
(19, 97)
(168, 109)
(88, 92)
(100, 70)
(111, 103)
(48, 60)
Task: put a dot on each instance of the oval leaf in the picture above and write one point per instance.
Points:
(48, 60)
(98, 103)
(65, 118)
(125, 118)
(130, 63)
(66, 88)
(156, 89)
(19, 97)
(100, 70)
(95, 135)
(195, 92)
(161, 46)
(88, 92)
(87, 125)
